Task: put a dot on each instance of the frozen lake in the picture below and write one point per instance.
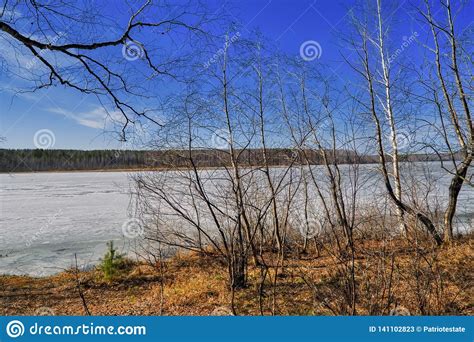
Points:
(46, 218)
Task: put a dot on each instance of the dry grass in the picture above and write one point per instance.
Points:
(440, 283)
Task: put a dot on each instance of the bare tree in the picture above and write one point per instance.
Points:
(387, 106)
(72, 47)
(363, 48)
(454, 100)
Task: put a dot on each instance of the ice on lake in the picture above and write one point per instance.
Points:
(47, 218)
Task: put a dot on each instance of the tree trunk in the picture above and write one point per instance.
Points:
(454, 189)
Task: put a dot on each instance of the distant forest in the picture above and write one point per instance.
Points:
(28, 160)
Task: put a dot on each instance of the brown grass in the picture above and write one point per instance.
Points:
(197, 285)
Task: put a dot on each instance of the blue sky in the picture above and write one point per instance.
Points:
(79, 121)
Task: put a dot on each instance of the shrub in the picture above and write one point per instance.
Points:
(112, 263)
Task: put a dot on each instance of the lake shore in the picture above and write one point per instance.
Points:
(49, 217)
(191, 284)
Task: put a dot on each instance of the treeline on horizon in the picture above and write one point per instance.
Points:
(28, 160)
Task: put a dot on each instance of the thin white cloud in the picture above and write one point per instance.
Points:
(23, 63)
(96, 118)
